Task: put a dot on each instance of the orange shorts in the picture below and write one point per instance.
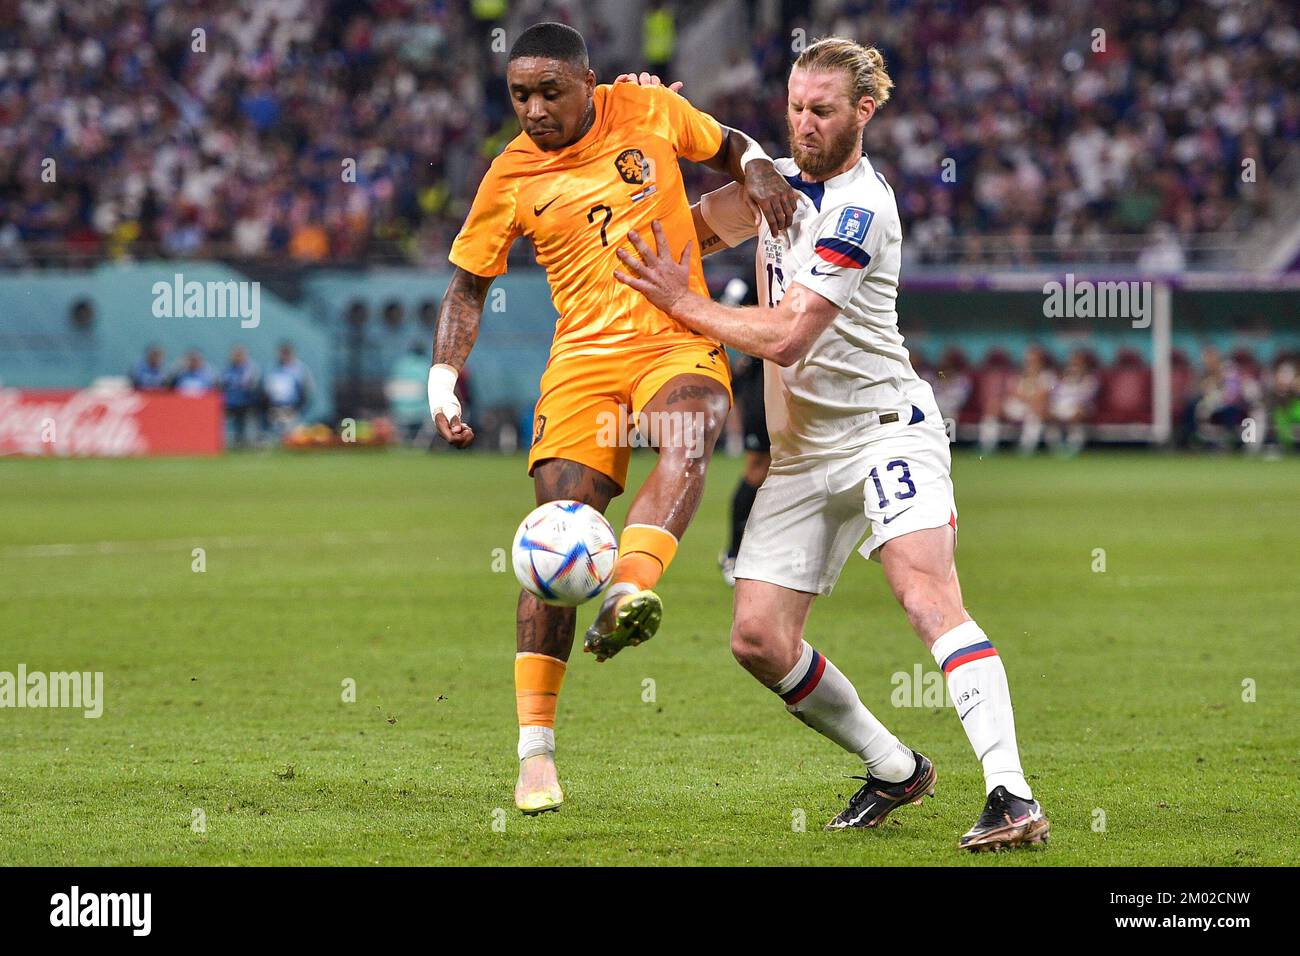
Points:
(589, 402)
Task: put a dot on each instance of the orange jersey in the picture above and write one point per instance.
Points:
(577, 205)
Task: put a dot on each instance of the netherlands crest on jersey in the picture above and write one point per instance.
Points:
(634, 167)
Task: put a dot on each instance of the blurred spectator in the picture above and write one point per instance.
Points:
(1224, 398)
(1008, 139)
(194, 377)
(150, 374)
(407, 393)
(1072, 404)
(1284, 403)
(1024, 404)
(952, 385)
(288, 388)
(659, 36)
(1163, 254)
(240, 391)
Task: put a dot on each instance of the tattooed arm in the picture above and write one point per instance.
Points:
(458, 321)
(458, 318)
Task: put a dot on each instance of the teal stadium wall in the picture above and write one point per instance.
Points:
(514, 336)
(40, 348)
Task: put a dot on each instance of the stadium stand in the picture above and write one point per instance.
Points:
(313, 143)
(233, 141)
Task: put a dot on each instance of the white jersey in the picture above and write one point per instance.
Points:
(856, 383)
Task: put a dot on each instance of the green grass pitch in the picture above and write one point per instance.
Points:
(224, 689)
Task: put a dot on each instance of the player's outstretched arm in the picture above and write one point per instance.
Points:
(783, 334)
(458, 321)
(744, 161)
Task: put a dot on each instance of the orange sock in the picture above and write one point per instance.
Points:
(644, 553)
(537, 688)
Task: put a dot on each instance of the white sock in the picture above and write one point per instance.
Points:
(536, 740)
(818, 694)
(977, 682)
(990, 432)
(1032, 434)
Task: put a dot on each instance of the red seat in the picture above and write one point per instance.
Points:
(954, 362)
(992, 380)
(1245, 360)
(953, 356)
(1124, 397)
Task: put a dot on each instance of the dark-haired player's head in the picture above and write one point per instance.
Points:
(551, 84)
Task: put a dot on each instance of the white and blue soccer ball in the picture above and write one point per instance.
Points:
(564, 553)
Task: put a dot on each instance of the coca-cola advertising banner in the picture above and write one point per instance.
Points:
(108, 423)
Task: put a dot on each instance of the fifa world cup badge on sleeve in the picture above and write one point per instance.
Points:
(854, 223)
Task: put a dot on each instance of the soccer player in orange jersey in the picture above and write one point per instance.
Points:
(592, 163)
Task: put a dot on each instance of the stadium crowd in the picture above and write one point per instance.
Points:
(325, 130)
(1062, 138)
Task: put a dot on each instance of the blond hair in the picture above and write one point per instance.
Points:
(864, 65)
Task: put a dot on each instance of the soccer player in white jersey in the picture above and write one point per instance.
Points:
(858, 447)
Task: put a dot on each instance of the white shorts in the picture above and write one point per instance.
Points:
(807, 519)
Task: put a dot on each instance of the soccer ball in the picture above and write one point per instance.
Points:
(564, 553)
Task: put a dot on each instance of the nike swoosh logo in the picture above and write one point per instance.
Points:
(903, 512)
(816, 273)
(705, 367)
(968, 710)
(538, 210)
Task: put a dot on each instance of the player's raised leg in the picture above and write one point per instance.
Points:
(685, 417)
(922, 572)
(767, 639)
(544, 639)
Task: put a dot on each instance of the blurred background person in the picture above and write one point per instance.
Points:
(194, 376)
(240, 391)
(1222, 402)
(747, 387)
(407, 392)
(1071, 404)
(150, 373)
(1025, 404)
(288, 389)
(1284, 403)
(952, 385)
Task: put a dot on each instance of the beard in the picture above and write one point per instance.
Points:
(833, 154)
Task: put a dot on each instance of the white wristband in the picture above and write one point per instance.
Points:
(752, 152)
(442, 392)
